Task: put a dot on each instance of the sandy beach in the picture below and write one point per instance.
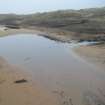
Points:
(29, 92)
(26, 93)
(94, 54)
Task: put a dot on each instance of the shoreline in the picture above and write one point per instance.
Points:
(54, 34)
(27, 93)
(86, 52)
(41, 32)
(94, 54)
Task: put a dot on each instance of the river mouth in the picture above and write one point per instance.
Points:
(55, 67)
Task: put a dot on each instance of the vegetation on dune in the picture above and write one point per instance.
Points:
(89, 21)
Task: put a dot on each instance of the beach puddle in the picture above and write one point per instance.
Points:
(56, 68)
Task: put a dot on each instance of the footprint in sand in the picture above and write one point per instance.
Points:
(91, 98)
(64, 99)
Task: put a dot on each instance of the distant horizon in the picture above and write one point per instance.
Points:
(33, 6)
(49, 11)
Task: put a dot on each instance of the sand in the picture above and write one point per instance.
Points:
(94, 54)
(27, 93)
(52, 34)
(31, 93)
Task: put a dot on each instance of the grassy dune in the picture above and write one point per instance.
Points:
(85, 24)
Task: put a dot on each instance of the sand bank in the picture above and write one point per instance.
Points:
(52, 34)
(94, 54)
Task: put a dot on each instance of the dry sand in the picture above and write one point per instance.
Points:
(49, 33)
(94, 54)
(27, 93)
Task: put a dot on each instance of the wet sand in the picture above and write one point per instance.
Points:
(67, 87)
(28, 93)
(94, 54)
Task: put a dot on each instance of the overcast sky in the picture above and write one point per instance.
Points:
(32, 6)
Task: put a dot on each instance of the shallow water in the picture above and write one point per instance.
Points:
(55, 67)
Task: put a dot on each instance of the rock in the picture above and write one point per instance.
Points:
(21, 81)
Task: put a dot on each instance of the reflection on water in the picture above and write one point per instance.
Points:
(56, 68)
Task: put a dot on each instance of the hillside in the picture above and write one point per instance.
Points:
(84, 21)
